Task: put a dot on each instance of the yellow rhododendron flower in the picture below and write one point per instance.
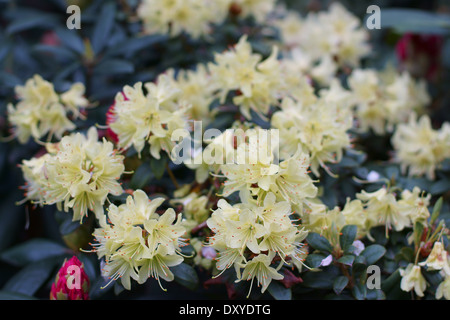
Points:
(419, 148)
(137, 243)
(319, 129)
(383, 209)
(41, 111)
(415, 204)
(437, 259)
(257, 228)
(288, 180)
(335, 33)
(254, 81)
(175, 17)
(443, 290)
(412, 279)
(150, 117)
(385, 98)
(78, 176)
(259, 268)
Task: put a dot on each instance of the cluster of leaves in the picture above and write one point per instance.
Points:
(108, 52)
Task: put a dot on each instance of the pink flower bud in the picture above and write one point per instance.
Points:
(71, 283)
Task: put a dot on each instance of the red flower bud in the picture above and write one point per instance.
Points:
(71, 283)
(420, 54)
(111, 118)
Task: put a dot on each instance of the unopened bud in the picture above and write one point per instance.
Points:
(71, 283)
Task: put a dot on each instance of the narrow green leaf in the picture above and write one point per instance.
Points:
(104, 26)
(31, 21)
(418, 230)
(70, 39)
(436, 210)
(114, 67)
(32, 251)
(32, 277)
(58, 53)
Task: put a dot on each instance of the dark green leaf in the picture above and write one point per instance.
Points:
(339, 284)
(417, 21)
(31, 21)
(6, 295)
(440, 187)
(58, 53)
(186, 276)
(71, 39)
(9, 80)
(32, 277)
(348, 235)
(360, 264)
(436, 210)
(313, 260)
(373, 253)
(141, 176)
(113, 67)
(391, 281)
(104, 26)
(158, 166)
(418, 230)
(279, 292)
(32, 251)
(98, 288)
(131, 45)
(319, 242)
(347, 259)
(359, 291)
(322, 279)
(406, 253)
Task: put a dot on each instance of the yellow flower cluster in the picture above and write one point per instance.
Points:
(138, 243)
(77, 173)
(197, 17)
(41, 111)
(177, 16)
(253, 82)
(149, 117)
(385, 98)
(323, 41)
(195, 210)
(437, 260)
(249, 235)
(318, 126)
(196, 89)
(368, 210)
(419, 148)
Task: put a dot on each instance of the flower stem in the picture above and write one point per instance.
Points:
(172, 177)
